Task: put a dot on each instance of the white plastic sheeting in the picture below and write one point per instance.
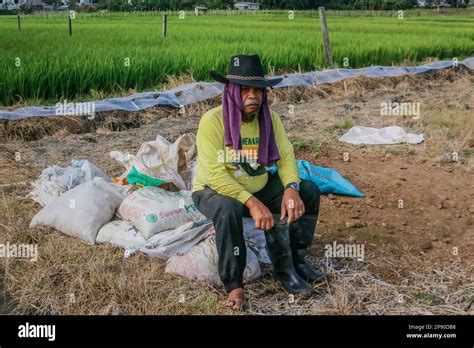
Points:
(198, 91)
(56, 180)
(160, 159)
(380, 136)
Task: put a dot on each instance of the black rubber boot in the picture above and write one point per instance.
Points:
(301, 237)
(278, 245)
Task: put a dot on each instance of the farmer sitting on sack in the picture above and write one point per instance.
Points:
(237, 142)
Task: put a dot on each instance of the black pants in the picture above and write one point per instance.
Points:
(226, 213)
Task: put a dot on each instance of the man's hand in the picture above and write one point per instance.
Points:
(260, 213)
(292, 205)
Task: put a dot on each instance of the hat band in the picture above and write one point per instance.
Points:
(237, 77)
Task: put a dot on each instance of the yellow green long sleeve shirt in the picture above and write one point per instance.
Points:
(215, 168)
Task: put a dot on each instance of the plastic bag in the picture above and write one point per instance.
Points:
(178, 241)
(328, 180)
(160, 162)
(201, 263)
(83, 210)
(153, 210)
(55, 180)
(255, 239)
(122, 234)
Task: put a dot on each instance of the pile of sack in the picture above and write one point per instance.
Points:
(147, 209)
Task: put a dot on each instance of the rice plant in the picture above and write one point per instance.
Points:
(116, 52)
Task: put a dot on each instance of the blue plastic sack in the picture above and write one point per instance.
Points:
(328, 180)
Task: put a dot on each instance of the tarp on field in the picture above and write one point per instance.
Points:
(199, 91)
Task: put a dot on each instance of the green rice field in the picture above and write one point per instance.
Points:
(109, 54)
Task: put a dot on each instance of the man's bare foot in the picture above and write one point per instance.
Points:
(235, 299)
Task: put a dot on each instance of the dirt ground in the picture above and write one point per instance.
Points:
(418, 258)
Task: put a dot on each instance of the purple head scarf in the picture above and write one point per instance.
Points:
(232, 112)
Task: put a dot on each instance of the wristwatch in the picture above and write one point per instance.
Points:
(294, 185)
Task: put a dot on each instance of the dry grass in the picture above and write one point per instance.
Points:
(355, 290)
(450, 131)
(72, 277)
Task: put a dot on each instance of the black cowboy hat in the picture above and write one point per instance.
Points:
(245, 70)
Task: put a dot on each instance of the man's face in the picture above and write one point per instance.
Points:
(252, 98)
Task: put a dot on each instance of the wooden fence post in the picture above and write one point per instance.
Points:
(165, 24)
(327, 45)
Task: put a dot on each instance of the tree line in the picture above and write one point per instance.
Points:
(160, 5)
